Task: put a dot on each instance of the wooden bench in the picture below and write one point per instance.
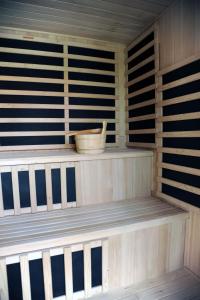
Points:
(116, 244)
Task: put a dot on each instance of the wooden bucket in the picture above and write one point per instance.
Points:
(91, 143)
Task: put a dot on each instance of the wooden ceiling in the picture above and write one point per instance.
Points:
(112, 20)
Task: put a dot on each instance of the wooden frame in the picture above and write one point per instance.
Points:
(65, 41)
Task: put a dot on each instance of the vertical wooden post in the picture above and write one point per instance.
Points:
(25, 276)
(3, 281)
(49, 187)
(1, 199)
(32, 188)
(15, 185)
(47, 275)
(68, 273)
(105, 265)
(87, 269)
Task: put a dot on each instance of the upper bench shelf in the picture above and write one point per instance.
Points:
(48, 156)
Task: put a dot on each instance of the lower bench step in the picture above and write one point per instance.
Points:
(178, 285)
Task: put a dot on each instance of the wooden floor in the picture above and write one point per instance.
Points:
(93, 221)
(179, 285)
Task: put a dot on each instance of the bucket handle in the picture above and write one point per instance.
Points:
(104, 128)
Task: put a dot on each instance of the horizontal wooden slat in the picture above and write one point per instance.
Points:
(179, 151)
(90, 71)
(142, 91)
(142, 145)
(140, 37)
(32, 120)
(33, 93)
(142, 118)
(96, 96)
(188, 116)
(179, 82)
(32, 52)
(37, 147)
(142, 104)
(179, 168)
(91, 58)
(180, 99)
(182, 186)
(31, 79)
(93, 107)
(91, 83)
(141, 131)
(147, 46)
(33, 106)
(31, 66)
(81, 120)
(141, 64)
(180, 134)
(140, 78)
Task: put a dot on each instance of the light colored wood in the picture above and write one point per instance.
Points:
(187, 116)
(70, 18)
(32, 186)
(179, 38)
(78, 225)
(142, 91)
(25, 277)
(142, 118)
(46, 260)
(3, 282)
(177, 285)
(15, 185)
(182, 186)
(105, 265)
(149, 45)
(48, 187)
(87, 269)
(142, 104)
(141, 64)
(68, 273)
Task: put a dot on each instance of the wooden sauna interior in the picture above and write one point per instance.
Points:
(124, 224)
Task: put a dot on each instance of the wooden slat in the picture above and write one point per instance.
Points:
(180, 134)
(15, 186)
(142, 104)
(4, 281)
(141, 77)
(142, 118)
(92, 83)
(142, 131)
(91, 120)
(179, 117)
(134, 55)
(179, 151)
(33, 106)
(93, 107)
(179, 185)
(32, 93)
(25, 277)
(31, 66)
(180, 99)
(32, 133)
(31, 79)
(96, 96)
(143, 63)
(179, 168)
(68, 273)
(31, 52)
(141, 145)
(47, 275)
(105, 265)
(91, 58)
(87, 269)
(36, 147)
(32, 120)
(142, 91)
(48, 186)
(90, 71)
(1, 199)
(140, 37)
(32, 188)
(63, 179)
(179, 82)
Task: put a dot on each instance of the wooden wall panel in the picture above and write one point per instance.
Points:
(51, 85)
(115, 179)
(179, 32)
(145, 254)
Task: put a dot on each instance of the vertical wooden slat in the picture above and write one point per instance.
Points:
(63, 179)
(78, 186)
(25, 277)
(66, 99)
(47, 275)
(15, 186)
(32, 189)
(68, 273)
(1, 199)
(105, 265)
(3, 281)
(87, 269)
(49, 187)
(159, 127)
